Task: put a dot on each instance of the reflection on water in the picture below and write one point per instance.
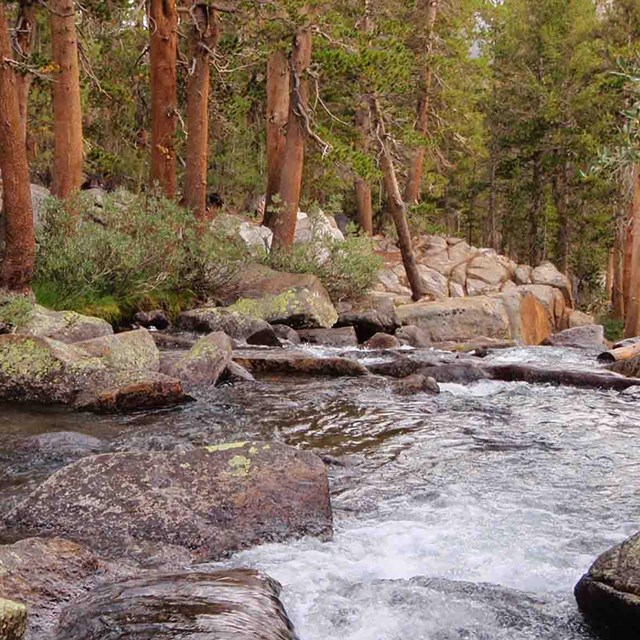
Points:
(466, 516)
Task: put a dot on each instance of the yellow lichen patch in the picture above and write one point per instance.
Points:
(225, 446)
(13, 619)
(26, 358)
(240, 466)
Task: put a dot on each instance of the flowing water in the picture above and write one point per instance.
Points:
(467, 516)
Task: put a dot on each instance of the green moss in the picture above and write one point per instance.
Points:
(27, 358)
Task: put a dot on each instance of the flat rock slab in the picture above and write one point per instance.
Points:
(209, 501)
(224, 605)
(297, 363)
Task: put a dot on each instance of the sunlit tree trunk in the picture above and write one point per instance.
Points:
(163, 24)
(278, 79)
(67, 107)
(632, 320)
(397, 207)
(25, 30)
(416, 167)
(283, 224)
(203, 37)
(17, 266)
(363, 131)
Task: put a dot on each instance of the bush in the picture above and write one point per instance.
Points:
(15, 311)
(346, 269)
(129, 252)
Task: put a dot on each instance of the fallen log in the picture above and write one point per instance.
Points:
(621, 353)
(568, 377)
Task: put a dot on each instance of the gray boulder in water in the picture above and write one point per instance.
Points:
(229, 605)
(209, 501)
(608, 594)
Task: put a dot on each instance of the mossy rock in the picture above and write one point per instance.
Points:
(13, 620)
(64, 326)
(130, 350)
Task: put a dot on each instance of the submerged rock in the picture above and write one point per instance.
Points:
(609, 594)
(341, 337)
(210, 501)
(204, 363)
(297, 300)
(13, 620)
(191, 605)
(415, 383)
(64, 326)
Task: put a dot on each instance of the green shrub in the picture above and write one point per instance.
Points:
(15, 311)
(613, 328)
(347, 269)
(127, 253)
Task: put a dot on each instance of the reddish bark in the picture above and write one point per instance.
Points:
(416, 166)
(67, 108)
(277, 114)
(397, 207)
(24, 36)
(163, 24)
(283, 223)
(16, 271)
(204, 35)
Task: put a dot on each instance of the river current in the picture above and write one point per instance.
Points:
(466, 516)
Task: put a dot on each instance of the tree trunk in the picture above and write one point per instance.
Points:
(163, 24)
(67, 107)
(536, 211)
(416, 167)
(632, 320)
(283, 224)
(277, 114)
(397, 207)
(24, 36)
(363, 127)
(16, 271)
(626, 259)
(203, 39)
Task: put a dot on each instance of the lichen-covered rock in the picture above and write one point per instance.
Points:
(192, 605)
(210, 501)
(64, 326)
(44, 574)
(341, 337)
(297, 300)
(13, 620)
(608, 594)
(204, 363)
(238, 326)
(125, 351)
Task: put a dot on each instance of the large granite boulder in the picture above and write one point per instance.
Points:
(125, 351)
(43, 574)
(64, 326)
(209, 501)
(190, 605)
(608, 594)
(297, 300)
(238, 326)
(589, 336)
(375, 313)
(547, 274)
(45, 371)
(528, 318)
(204, 363)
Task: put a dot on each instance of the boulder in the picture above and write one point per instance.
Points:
(462, 372)
(579, 319)
(458, 319)
(43, 574)
(586, 337)
(414, 337)
(286, 333)
(64, 326)
(341, 337)
(629, 367)
(130, 350)
(192, 605)
(522, 274)
(210, 501)
(608, 594)
(488, 270)
(264, 338)
(297, 300)
(529, 320)
(434, 283)
(389, 282)
(415, 383)
(253, 236)
(375, 313)
(235, 373)
(298, 363)
(383, 341)
(13, 620)
(204, 363)
(551, 299)
(316, 226)
(238, 326)
(157, 318)
(547, 274)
